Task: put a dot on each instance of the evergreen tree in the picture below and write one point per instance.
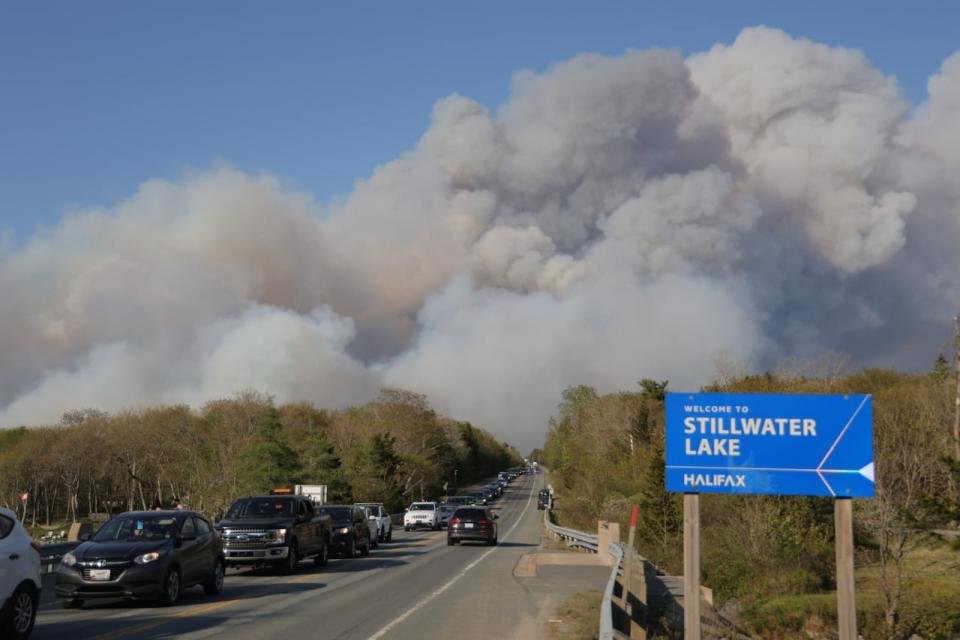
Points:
(320, 464)
(660, 513)
(268, 461)
(941, 368)
(376, 472)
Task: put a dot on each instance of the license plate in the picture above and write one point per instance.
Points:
(99, 574)
(468, 525)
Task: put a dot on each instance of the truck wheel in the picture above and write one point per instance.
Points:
(321, 559)
(352, 552)
(365, 551)
(292, 560)
(390, 534)
(449, 542)
(374, 542)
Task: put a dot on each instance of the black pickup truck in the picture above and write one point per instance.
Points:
(275, 530)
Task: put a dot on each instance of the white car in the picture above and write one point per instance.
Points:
(373, 525)
(19, 578)
(384, 524)
(422, 515)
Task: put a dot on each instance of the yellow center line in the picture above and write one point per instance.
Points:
(156, 623)
(301, 578)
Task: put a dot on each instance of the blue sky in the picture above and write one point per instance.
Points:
(97, 97)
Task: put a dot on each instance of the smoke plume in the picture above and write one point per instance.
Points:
(617, 218)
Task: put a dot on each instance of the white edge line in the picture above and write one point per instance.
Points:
(409, 612)
(840, 437)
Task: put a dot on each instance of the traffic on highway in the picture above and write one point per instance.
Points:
(176, 573)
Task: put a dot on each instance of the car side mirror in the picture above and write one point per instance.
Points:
(85, 537)
(496, 517)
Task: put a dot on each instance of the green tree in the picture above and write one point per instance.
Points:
(268, 460)
(321, 464)
(375, 472)
(660, 513)
(653, 389)
(941, 368)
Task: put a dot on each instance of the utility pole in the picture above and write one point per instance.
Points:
(956, 369)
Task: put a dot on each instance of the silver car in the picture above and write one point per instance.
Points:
(19, 578)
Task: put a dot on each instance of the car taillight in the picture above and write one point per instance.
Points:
(454, 521)
(484, 522)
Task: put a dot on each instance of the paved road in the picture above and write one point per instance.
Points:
(415, 586)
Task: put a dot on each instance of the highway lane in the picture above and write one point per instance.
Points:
(486, 601)
(347, 599)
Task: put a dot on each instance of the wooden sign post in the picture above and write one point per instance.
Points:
(846, 595)
(691, 566)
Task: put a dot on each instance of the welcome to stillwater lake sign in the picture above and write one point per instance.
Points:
(815, 445)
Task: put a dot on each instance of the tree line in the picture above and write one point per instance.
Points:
(772, 557)
(392, 450)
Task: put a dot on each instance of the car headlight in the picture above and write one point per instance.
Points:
(147, 558)
(344, 530)
(69, 559)
(279, 535)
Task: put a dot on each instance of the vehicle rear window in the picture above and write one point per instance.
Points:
(6, 526)
(338, 514)
(469, 514)
(260, 508)
(422, 506)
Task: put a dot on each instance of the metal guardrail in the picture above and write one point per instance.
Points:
(52, 553)
(589, 541)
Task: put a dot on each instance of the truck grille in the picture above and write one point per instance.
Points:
(246, 538)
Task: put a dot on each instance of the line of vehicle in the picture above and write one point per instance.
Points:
(425, 601)
(261, 589)
(264, 590)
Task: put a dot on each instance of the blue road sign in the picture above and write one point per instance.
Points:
(812, 445)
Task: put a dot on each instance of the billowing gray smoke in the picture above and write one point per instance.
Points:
(617, 218)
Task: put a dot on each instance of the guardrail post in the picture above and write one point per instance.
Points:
(607, 532)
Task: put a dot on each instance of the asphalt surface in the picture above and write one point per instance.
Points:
(413, 587)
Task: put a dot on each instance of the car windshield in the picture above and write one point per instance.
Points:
(137, 529)
(422, 506)
(339, 514)
(260, 508)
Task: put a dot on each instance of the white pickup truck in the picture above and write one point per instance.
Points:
(384, 524)
(422, 515)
